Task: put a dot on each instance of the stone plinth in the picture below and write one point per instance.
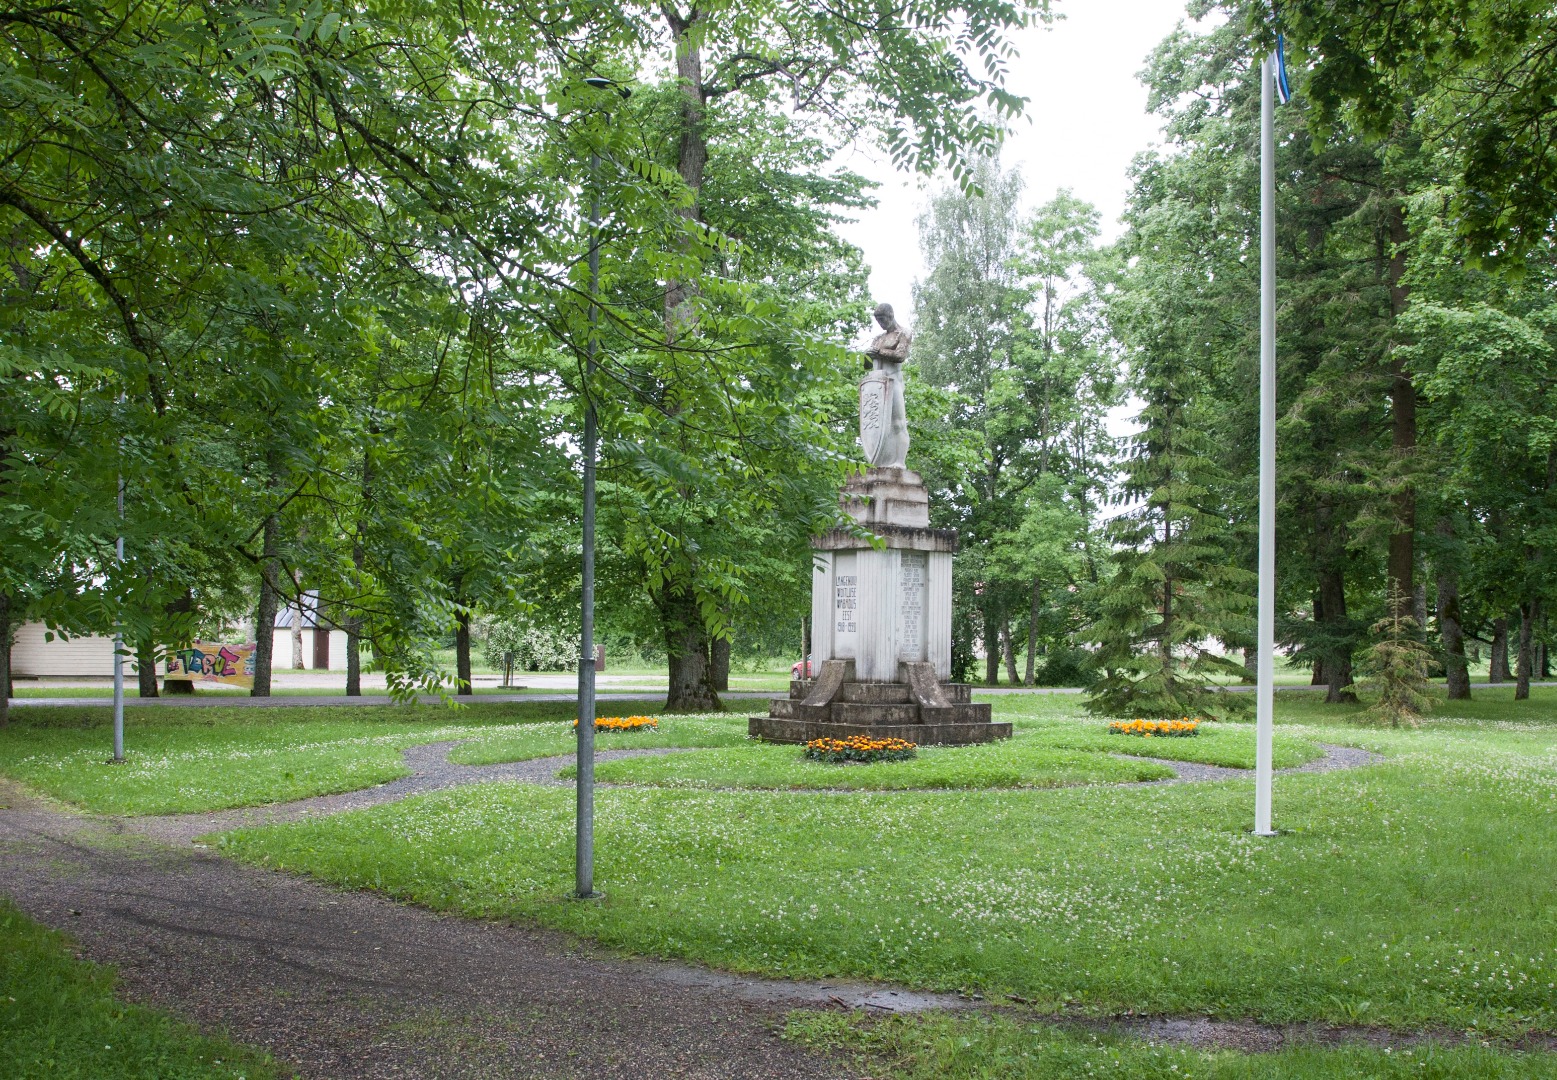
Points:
(881, 627)
(917, 707)
(884, 606)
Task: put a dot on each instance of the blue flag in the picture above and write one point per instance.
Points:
(1283, 88)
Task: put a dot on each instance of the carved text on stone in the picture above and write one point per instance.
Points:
(846, 596)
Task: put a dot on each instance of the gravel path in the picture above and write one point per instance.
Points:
(1191, 772)
(431, 770)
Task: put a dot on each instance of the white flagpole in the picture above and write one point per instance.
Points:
(1265, 690)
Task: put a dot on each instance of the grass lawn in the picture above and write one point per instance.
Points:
(59, 1018)
(185, 760)
(1009, 1047)
(1023, 762)
(516, 743)
(1416, 894)
(1049, 749)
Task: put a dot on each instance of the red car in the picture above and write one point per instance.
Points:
(794, 669)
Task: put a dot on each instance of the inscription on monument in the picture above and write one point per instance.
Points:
(911, 575)
(846, 600)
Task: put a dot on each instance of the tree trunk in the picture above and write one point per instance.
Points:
(265, 616)
(178, 630)
(1010, 650)
(297, 627)
(1450, 632)
(686, 646)
(1402, 406)
(462, 681)
(692, 148)
(354, 657)
(359, 557)
(1251, 666)
(1338, 665)
(1032, 636)
(1497, 664)
(806, 663)
(1529, 613)
(719, 662)
(146, 669)
(1545, 665)
(1318, 676)
(5, 660)
(991, 643)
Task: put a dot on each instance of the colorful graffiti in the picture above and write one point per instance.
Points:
(203, 661)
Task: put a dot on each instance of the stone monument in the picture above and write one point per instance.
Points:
(881, 618)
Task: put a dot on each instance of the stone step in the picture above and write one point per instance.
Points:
(867, 693)
(957, 714)
(849, 712)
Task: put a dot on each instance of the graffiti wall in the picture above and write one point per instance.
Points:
(213, 662)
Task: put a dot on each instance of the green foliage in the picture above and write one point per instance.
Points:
(1396, 669)
(59, 1018)
(1013, 443)
(1175, 586)
(1475, 79)
(520, 643)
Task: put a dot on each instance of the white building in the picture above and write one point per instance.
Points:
(89, 656)
(324, 645)
(34, 656)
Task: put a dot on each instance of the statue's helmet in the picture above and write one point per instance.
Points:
(884, 313)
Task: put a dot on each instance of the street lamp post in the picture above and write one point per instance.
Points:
(584, 839)
(584, 833)
(119, 640)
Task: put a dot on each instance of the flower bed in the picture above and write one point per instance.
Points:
(624, 723)
(1168, 729)
(859, 748)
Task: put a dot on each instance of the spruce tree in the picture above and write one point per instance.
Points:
(1175, 586)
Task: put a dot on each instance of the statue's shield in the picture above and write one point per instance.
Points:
(875, 413)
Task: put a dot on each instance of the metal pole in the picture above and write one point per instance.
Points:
(584, 862)
(1266, 630)
(119, 645)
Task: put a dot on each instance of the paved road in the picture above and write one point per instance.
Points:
(292, 700)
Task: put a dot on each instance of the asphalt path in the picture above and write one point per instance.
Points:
(295, 700)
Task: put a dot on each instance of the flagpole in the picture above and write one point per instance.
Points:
(1266, 629)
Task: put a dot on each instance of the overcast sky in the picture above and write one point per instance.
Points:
(1086, 120)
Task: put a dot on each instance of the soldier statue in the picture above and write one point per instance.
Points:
(883, 420)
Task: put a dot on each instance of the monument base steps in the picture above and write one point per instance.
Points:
(917, 708)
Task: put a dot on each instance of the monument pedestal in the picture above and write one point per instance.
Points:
(881, 628)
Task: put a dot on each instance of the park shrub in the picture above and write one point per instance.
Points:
(1167, 729)
(861, 748)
